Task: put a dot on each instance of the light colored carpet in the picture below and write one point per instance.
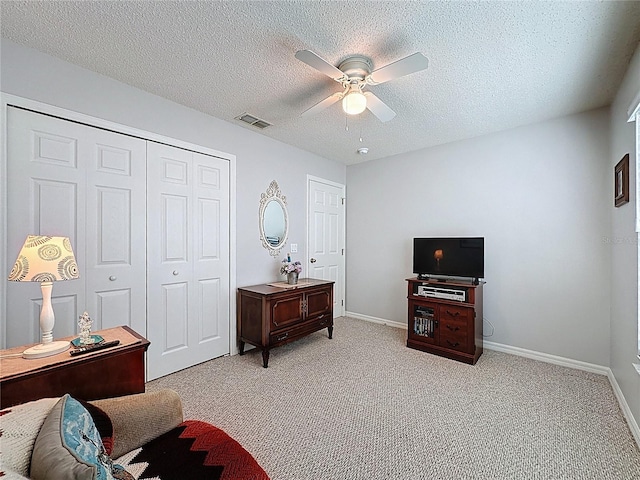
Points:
(364, 406)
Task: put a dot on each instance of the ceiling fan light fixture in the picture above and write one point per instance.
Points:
(354, 102)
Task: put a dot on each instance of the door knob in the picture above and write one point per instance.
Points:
(313, 260)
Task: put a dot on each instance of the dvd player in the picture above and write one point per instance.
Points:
(439, 292)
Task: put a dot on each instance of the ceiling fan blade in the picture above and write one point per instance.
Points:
(400, 68)
(320, 64)
(321, 105)
(379, 108)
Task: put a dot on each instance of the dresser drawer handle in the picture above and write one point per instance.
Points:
(453, 344)
(453, 314)
(113, 278)
(282, 337)
(453, 329)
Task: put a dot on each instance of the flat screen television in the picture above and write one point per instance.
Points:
(449, 257)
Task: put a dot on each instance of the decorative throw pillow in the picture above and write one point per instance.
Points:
(69, 446)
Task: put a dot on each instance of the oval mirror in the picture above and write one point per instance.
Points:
(274, 219)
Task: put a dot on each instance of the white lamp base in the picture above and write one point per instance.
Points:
(45, 350)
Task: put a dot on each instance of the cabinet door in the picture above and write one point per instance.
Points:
(423, 322)
(286, 311)
(318, 303)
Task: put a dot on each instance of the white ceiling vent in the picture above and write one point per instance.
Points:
(251, 120)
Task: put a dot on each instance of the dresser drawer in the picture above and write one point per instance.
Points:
(454, 340)
(454, 327)
(297, 331)
(454, 315)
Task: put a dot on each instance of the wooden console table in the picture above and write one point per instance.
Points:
(273, 314)
(111, 372)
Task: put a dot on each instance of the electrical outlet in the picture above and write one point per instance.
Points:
(294, 248)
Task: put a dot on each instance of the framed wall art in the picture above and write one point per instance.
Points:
(621, 182)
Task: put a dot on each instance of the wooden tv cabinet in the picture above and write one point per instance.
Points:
(270, 315)
(447, 327)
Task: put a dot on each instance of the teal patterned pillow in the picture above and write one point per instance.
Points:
(69, 446)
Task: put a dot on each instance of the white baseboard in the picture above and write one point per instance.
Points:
(545, 357)
(542, 357)
(382, 321)
(626, 411)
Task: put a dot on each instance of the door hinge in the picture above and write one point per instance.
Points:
(342, 199)
(342, 303)
(343, 251)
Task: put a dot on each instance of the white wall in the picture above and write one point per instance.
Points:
(624, 247)
(31, 74)
(540, 195)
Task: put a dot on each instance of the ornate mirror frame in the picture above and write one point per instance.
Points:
(273, 194)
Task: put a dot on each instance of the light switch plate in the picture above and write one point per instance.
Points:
(294, 248)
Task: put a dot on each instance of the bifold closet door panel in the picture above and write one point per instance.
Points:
(73, 180)
(46, 195)
(211, 252)
(115, 262)
(188, 258)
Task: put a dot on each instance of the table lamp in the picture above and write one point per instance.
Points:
(45, 259)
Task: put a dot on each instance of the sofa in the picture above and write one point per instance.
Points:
(134, 437)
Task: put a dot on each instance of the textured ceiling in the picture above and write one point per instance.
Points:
(492, 65)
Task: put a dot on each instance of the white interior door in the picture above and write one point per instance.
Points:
(188, 258)
(326, 234)
(88, 184)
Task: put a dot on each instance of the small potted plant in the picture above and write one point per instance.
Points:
(291, 270)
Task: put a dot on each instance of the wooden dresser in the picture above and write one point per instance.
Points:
(270, 315)
(111, 372)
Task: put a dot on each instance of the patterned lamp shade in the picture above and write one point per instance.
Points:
(45, 259)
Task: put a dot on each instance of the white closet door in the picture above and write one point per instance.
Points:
(46, 195)
(115, 260)
(188, 258)
(88, 184)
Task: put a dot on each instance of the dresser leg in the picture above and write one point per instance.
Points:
(241, 347)
(330, 332)
(265, 357)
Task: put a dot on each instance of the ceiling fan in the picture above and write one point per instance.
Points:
(354, 74)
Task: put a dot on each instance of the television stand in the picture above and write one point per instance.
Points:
(445, 318)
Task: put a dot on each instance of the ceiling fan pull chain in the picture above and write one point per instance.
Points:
(346, 122)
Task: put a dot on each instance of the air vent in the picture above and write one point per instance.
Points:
(251, 120)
